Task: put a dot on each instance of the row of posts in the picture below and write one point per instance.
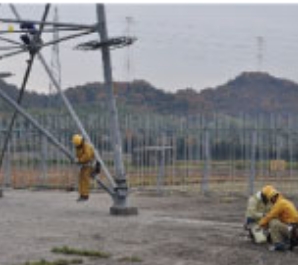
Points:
(193, 139)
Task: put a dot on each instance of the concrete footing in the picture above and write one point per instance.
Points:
(123, 211)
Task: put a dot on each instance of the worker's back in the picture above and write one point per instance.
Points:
(85, 153)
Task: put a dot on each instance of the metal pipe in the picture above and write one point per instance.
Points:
(7, 137)
(48, 30)
(120, 206)
(70, 109)
(71, 25)
(49, 136)
(10, 41)
(8, 48)
(12, 53)
(25, 80)
(75, 117)
(105, 187)
(65, 38)
(206, 172)
(253, 161)
(115, 131)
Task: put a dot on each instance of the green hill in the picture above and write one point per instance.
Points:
(250, 92)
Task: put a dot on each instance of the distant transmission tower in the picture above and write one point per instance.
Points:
(55, 53)
(129, 23)
(260, 53)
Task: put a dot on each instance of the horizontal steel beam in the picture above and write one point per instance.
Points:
(36, 22)
(48, 30)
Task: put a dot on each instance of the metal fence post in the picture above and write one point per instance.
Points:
(161, 172)
(7, 166)
(44, 157)
(253, 162)
(206, 153)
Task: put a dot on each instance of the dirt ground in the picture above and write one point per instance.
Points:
(171, 229)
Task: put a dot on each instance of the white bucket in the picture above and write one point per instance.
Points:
(258, 234)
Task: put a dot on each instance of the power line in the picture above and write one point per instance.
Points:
(260, 52)
(129, 22)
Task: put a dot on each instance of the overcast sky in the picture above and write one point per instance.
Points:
(179, 45)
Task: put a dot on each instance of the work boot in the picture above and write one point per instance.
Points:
(83, 198)
(294, 236)
(279, 247)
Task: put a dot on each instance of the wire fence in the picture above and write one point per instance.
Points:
(201, 153)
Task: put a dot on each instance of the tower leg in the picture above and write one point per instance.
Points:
(121, 206)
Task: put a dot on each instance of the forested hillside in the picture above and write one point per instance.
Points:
(250, 92)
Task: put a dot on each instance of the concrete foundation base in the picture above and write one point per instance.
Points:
(123, 211)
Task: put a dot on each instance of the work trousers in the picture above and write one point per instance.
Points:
(279, 231)
(84, 180)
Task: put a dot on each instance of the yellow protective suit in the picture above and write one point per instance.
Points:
(85, 156)
(282, 214)
(283, 210)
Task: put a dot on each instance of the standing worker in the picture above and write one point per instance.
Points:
(281, 220)
(85, 158)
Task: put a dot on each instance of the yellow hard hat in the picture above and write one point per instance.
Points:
(272, 193)
(269, 192)
(267, 189)
(77, 139)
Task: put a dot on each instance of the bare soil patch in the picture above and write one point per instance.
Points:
(173, 228)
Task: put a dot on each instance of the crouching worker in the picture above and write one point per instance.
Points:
(85, 158)
(280, 220)
(257, 207)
